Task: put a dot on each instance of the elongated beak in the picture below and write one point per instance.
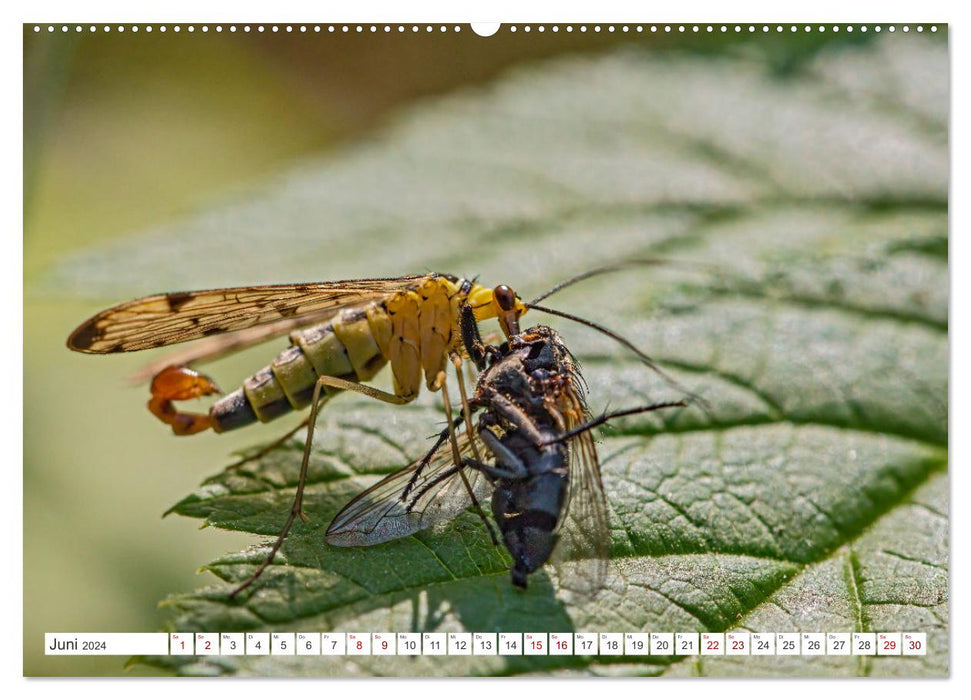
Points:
(509, 322)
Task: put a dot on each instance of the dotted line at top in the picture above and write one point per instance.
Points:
(513, 28)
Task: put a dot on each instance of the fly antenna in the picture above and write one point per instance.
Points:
(627, 344)
(615, 267)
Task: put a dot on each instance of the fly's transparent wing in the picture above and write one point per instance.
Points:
(177, 317)
(427, 492)
(581, 556)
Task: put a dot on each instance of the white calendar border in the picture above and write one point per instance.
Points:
(741, 10)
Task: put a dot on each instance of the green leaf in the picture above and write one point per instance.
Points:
(811, 497)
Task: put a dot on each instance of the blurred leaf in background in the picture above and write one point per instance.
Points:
(814, 497)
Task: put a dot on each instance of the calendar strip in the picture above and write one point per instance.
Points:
(490, 644)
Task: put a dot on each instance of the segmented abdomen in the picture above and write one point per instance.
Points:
(345, 347)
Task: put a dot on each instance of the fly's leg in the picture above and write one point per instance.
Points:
(297, 508)
(457, 458)
(591, 424)
(513, 469)
(515, 415)
(176, 383)
(446, 474)
(488, 469)
(439, 441)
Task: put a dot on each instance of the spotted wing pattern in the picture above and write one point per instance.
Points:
(177, 317)
(209, 349)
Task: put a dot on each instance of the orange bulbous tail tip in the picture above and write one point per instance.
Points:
(181, 384)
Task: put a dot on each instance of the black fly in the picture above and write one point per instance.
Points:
(544, 474)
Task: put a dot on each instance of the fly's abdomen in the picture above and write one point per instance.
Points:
(527, 513)
(345, 348)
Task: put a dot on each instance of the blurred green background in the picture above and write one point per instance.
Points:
(124, 131)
